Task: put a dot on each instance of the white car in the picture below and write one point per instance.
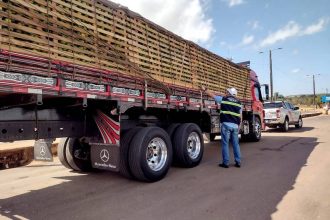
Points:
(282, 114)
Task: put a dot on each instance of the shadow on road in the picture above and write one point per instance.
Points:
(269, 171)
(291, 130)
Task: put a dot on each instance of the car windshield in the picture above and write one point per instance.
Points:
(273, 105)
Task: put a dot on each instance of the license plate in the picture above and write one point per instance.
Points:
(271, 115)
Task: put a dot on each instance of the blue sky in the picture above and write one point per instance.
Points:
(240, 29)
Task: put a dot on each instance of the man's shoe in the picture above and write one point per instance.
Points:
(238, 165)
(223, 165)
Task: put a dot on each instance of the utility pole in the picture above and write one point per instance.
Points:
(271, 72)
(314, 95)
(271, 75)
(314, 92)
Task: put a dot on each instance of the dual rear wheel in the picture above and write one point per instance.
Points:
(188, 145)
(74, 153)
(150, 154)
(146, 153)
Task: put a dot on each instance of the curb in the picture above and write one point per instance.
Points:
(307, 115)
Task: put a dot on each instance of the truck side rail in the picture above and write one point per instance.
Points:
(23, 73)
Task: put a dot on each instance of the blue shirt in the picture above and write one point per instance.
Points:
(218, 100)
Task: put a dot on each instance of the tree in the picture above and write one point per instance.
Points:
(303, 99)
(278, 96)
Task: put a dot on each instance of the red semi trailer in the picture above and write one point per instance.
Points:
(122, 90)
(125, 125)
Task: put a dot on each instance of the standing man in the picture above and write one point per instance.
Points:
(230, 120)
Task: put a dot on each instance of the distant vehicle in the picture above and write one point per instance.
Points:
(282, 114)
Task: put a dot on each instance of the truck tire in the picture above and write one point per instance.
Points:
(285, 126)
(150, 154)
(78, 155)
(299, 123)
(188, 145)
(171, 130)
(61, 149)
(212, 137)
(255, 135)
(245, 138)
(255, 132)
(125, 141)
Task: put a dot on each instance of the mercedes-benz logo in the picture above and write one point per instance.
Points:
(104, 155)
(42, 151)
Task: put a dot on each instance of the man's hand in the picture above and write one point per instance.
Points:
(208, 92)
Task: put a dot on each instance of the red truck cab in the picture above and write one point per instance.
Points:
(257, 100)
(253, 114)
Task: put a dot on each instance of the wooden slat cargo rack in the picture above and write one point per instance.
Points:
(105, 35)
(21, 73)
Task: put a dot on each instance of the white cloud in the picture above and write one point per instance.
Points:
(293, 29)
(314, 28)
(232, 3)
(247, 39)
(185, 18)
(289, 30)
(254, 24)
(296, 70)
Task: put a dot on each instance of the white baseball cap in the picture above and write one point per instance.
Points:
(232, 91)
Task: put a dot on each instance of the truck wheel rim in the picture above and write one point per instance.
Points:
(156, 154)
(257, 128)
(193, 145)
(300, 122)
(286, 125)
(80, 151)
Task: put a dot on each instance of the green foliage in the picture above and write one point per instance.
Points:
(278, 96)
(304, 99)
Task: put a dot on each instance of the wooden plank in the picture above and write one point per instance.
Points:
(1, 10)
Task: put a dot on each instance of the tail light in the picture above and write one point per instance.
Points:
(278, 113)
(263, 113)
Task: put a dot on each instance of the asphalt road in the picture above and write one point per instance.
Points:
(284, 176)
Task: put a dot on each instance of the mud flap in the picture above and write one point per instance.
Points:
(42, 150)
(105, 156)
